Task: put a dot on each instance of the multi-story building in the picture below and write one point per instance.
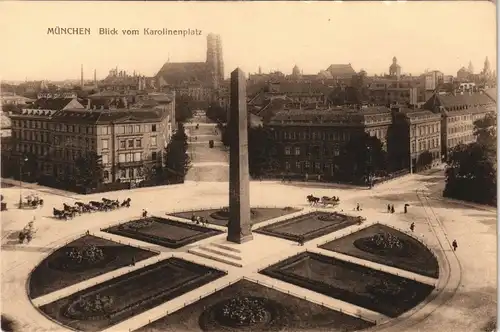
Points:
(393, 91)
(310, 141)
(415, 131)
(459, 112)
(129, 141)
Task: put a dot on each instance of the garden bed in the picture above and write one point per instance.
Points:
(221, 216)
(115, 300)
(247, 306)
(413, 256)
(375, 290)
(164, 232)
(309, 226)
(58, 270)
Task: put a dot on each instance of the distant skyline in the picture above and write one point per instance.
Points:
(275, 36)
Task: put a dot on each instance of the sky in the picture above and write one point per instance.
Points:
(275, 36)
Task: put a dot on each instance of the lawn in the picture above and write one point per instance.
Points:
(113, 301)
(164, 232)
(364, 287)
(272, 310)
(219, 217)
(309, 226)
(413, 256)
(57, 271)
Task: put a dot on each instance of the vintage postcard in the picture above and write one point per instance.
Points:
(248, 166)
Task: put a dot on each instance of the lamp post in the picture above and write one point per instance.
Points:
(23, 160)
(369, 148)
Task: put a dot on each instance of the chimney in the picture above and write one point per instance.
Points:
(88, 103)
(95, 78)
(81, 76)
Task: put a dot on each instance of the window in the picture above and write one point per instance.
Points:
(153, 156)
(122, 144)
(123, 173)
(297, 151)
(297, 165)
(130, 143)
(317, 166)
(121, 157)
(287, 165)
(153, 128)
(138, 143)
(129, 157)
(130, 129)
(105, 159)
(106, 175)
(153, 141)
(121, 130)
(137, 156)
(105, 144)
(307, 165)
(137, 129)
(287, 150)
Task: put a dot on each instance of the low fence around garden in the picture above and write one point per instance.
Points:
(350, 313)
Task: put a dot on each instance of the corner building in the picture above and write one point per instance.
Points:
(310, 141)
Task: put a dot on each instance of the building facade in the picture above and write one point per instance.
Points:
(310, 141)
(459, 112)
(129, 141)
(416, 132)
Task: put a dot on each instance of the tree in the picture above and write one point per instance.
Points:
(361, 157)
(89, 170)
(177, 161)
(216, 113)
(183, 108)
(424, 160)
(471, 173)
(261, 151)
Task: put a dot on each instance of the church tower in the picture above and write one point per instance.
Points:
(215, 62)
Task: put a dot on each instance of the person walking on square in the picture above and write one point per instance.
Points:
(412, 226)
(301, 241)
(388, 208)
(406, 208)
(455, 245)
(357, 207)
(392, 208)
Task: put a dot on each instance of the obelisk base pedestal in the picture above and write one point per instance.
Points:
(239, 238)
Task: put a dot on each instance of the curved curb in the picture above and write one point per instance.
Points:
(449, 267)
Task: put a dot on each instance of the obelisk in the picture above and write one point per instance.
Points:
(239, 226)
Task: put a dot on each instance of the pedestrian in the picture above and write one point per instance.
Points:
(406, 208)
(392, 208)
(88, 232)
(133, 261)
(388, 208)
(301, 241)
(307, 177)
(455, 245)
(357, 207)
(412, 226)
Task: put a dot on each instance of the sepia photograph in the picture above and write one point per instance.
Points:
(248, 166)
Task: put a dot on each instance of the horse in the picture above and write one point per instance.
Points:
(312, 199)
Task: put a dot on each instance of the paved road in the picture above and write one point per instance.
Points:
(208, 164)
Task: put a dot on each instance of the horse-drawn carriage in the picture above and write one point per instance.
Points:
(325, 200)
(27, 233)
(211, 143)
(31, 201)
(333, 201)
(68, 212)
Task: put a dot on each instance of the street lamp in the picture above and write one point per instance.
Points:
(369, 148)
(25, 159)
